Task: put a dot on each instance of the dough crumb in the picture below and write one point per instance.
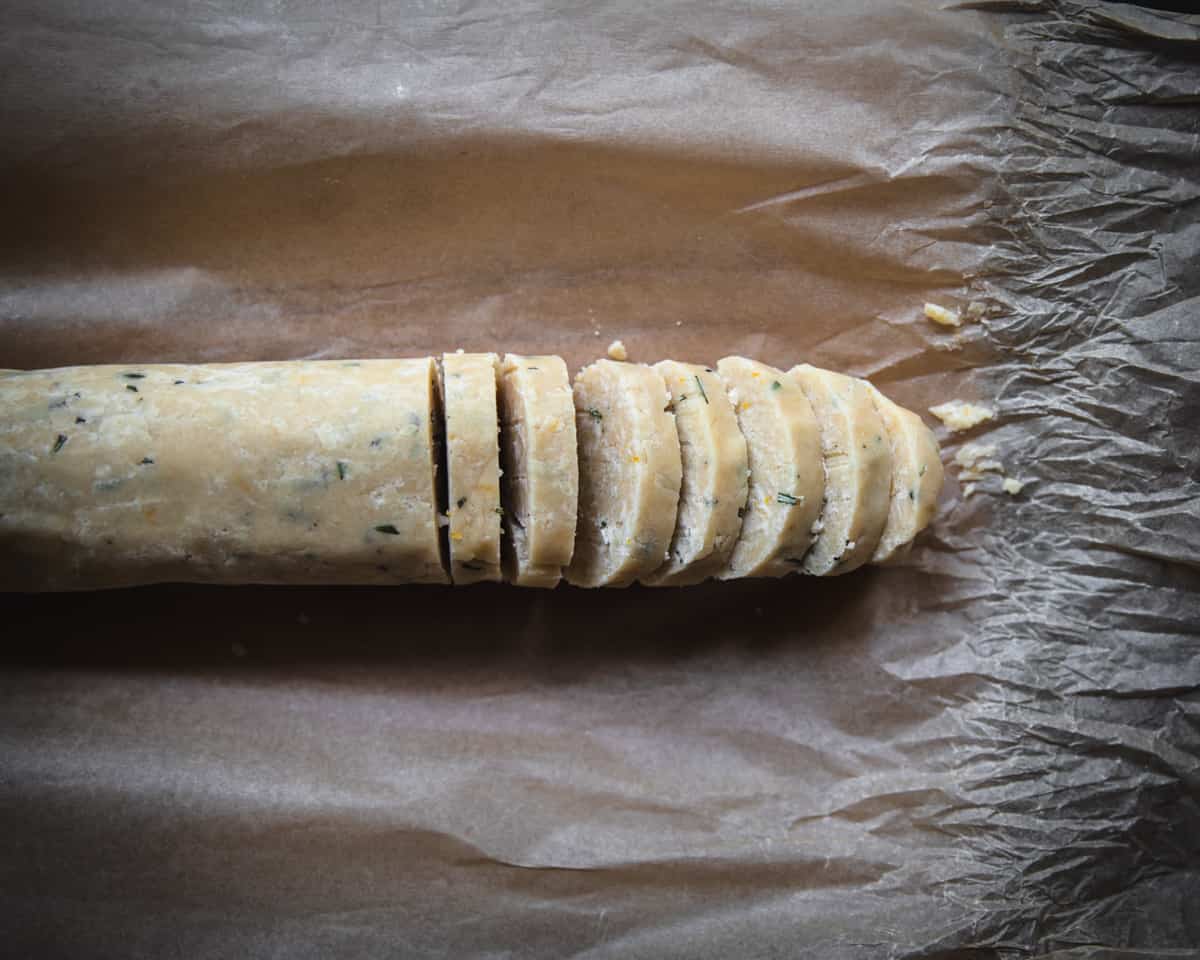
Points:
(959, 415)
(617, 351)
(942, 316)
(975, 310)
(1013, 487)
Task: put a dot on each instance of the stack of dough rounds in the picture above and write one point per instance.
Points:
(858, 470)
(331, 472)
(786, 477)
(712, 494)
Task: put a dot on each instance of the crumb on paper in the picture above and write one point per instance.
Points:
(1013, 486)
(942, 316)
(968, 490)
(459, 350)
(679, 323)
(617, 351)
(595, 333)
(976, 459)
(975, 310)
(959, 415)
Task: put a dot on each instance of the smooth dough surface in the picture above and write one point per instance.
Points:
(713, 491)
(468, 383)
(293, 472)
(629, 474)
(787, 480)
(541, 470)
(917, 476)
(858, 470)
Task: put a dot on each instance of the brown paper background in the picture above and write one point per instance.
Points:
(989, 751)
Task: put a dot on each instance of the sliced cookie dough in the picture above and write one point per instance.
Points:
(858, 470)
(540, 484)
(629, 474)
(468, 382)
(916, 477)
(786, 476)
(294, 472)
(713, 492)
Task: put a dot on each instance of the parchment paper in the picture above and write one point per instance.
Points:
(989, 751)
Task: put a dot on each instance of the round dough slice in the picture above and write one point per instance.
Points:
(786, 478)
(540, 483)
(916, 477)
(629, 474)
(858, 470)
(468, 382)
(295, 472)
(713, 492)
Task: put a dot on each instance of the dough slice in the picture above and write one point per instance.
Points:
(629, 474)
(858, 470)
(541, 473)
(713, 492)
(916, 477)
(468, 382)
(297, 472)
(786, 478)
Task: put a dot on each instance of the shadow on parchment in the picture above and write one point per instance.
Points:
(198, 626)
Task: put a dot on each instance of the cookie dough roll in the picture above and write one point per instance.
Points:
(786, 477)
(858, 470)
(629, 474)
(540, 485)
(713, 493)
(916, 477)
(294, 472)
(468, 383)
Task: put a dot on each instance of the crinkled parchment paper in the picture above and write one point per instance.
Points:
(988, 751)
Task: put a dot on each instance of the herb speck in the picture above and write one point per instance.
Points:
(701, 386)
(59, 443)
(130, 387)
(146, 460)
(134, 376)
(341, 469)
(776, 385)
(389, 528)
(595, 414)
(81, 419)
(460, 501)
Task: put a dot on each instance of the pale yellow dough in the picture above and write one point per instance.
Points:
(541, 472)
(858, 470)
(297, 472)
(468, 382)
(629, 474)
(786, 477)
(713, 492)
(916, 477)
